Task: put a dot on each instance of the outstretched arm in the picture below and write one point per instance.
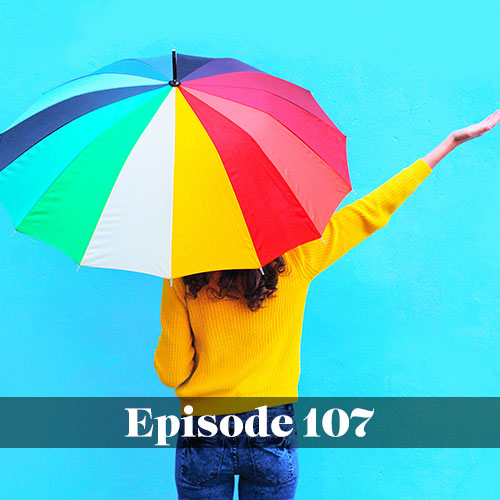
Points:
(355, 222)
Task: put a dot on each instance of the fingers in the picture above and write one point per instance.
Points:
(493, 119)
(488, 123)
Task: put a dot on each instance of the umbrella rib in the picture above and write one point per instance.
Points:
(39, 113)
(104, 72)
(75, 157)
(331, 124)
(225, 73)
(283, 125)
(289, 190)
(142, 62)
(26, 112)
(286, 82)
(114, 187)
(196, 69)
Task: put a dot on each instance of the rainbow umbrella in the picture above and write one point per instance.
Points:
(174, 166)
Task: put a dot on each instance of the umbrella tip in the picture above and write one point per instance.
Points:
(174, 82)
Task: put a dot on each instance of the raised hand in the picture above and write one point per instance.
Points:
(460, 136)
(477, 129)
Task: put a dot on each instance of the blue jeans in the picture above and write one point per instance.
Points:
(268, 466)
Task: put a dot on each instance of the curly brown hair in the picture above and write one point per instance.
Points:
(254, 286)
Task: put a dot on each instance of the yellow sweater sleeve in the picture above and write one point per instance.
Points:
(174, 356)
(355, 222)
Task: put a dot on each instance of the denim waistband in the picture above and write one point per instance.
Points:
(284, 409)
(281, 409)
(272, 411)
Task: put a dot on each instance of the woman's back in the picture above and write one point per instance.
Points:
(218, 349)
(242, 353)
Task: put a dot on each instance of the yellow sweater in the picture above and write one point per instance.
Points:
(219, 354)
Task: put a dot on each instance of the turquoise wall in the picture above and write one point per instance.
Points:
(412, 311)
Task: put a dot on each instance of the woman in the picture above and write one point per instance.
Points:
(230, 342)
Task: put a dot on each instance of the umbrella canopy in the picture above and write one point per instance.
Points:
(173, 166)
